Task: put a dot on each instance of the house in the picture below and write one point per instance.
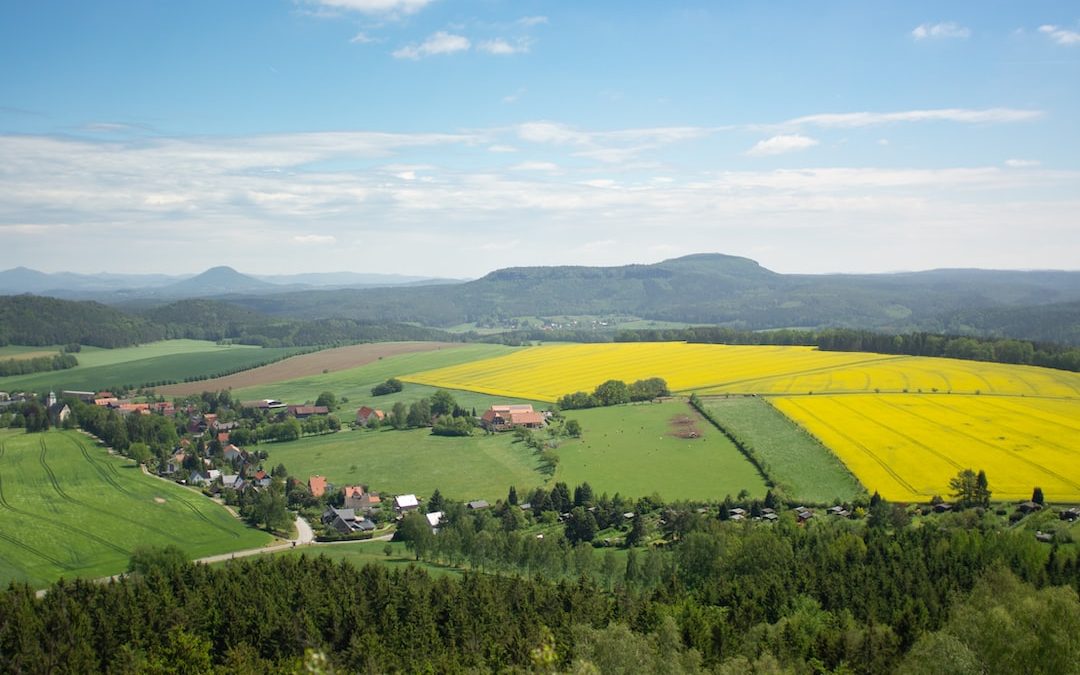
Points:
(231, 453)
(197, 478)
(368, 501)
(477, 505)
(133, 408)
(1028, 507)
(317, 486)
(223, 437)
(233, 481)
(354, 495)
(434, 519)
(345, 521)
(506, 417)
(84, 396)
(942, 507)
(737, 512)
(1071, 514)
(365, 414)
(803, 514)
(839, 511)
(406, 503)
(304, 411)
(1044, 537)
(771, 517)
(213, 475)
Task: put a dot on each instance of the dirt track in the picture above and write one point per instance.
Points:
(338, 358)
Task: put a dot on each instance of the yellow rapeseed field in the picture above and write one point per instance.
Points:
(903, 425)
(548, 372)
(908, 446)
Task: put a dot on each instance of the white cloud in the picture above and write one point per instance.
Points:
(498, 147)
(778, 145)
(940, 30)
(1022, 163)
(1060, 35)
(866, 119)
(438, 43)
(362, 38)
(501, 47)
(883, 141)
(153, 194)
(532, 20)
(376, 6)
(406, 175)
(315, 239)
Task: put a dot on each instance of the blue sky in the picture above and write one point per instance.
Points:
(451, 137)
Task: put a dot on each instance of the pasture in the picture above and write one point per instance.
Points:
(155, 362)
(69, 509)
(397, 462)
(636, 450)
(908, 446)
(798, 462)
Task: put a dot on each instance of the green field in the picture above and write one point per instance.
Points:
(400, 462)
(630, 449)
(155, 362)
(356, 383)
(369, 552)
(67, 508)
(802, 466)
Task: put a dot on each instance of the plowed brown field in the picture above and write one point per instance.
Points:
(338, 358)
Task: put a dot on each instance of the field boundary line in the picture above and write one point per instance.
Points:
(865, 449)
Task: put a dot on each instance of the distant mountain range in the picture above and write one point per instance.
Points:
(705, 288)
(222, 280)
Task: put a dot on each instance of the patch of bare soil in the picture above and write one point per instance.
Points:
(685, 426)
(327, 360)
(159, 500)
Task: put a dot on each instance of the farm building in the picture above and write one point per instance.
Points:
(304, 411)
(365, 414)
(406, 503)
(506, 417)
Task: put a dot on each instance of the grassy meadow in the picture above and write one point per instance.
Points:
(68, 508)
(416, 461)
(631, 449)
(154, 362)
(797, 461)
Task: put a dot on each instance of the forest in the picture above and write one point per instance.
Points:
(950, 596)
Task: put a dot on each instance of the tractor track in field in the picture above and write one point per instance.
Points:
(5, 504)
(51, 475)
(105, 474)
(885, 466)
(111, 480)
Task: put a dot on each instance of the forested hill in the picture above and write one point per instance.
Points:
(35, 320)
(704, 289)
(712, 289)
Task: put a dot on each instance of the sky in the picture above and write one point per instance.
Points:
(454, 137)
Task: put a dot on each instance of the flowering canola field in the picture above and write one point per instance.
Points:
(548, 372)
(907, 447)
(903, 425)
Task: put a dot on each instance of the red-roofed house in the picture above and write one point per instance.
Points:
(506, 417)
(317, 485)
(354, 497)
(364, 415)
